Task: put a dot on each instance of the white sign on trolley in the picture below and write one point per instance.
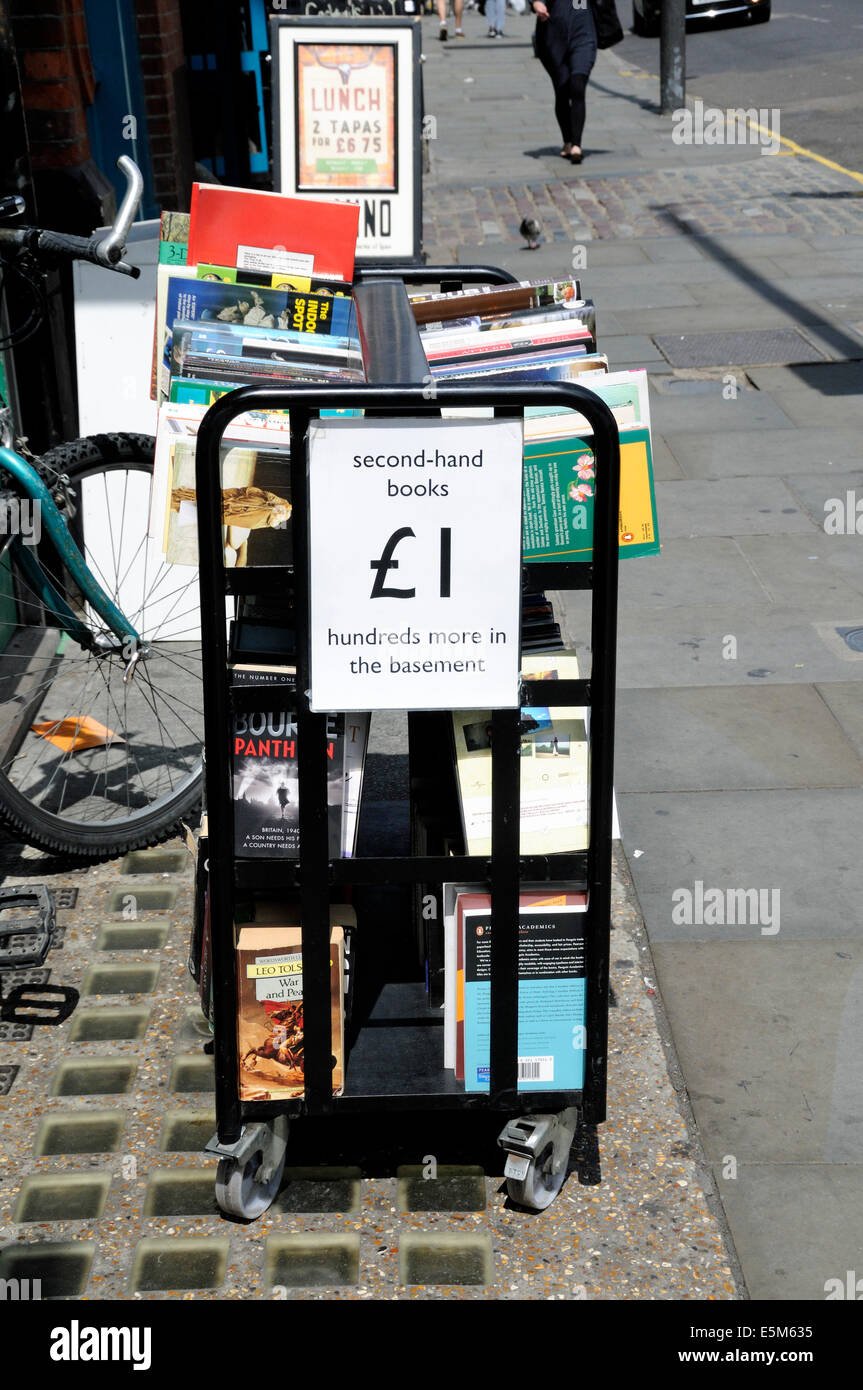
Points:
(415, 569)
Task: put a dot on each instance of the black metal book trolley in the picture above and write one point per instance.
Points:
(540, 1126)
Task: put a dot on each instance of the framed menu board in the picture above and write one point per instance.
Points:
(347, 118)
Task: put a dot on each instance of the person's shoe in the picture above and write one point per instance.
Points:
(575, 156)
(492, 33)
(443, 33)
(459, 33)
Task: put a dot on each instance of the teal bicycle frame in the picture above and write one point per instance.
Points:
(54, 524)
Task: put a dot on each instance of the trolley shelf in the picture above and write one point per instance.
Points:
(433, 869)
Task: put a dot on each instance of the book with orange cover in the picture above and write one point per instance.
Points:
(269, 232)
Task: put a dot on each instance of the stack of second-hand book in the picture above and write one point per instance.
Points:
(534, 331)
(258, 292)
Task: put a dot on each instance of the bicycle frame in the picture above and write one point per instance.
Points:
(28, 480)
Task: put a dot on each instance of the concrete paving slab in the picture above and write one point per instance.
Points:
(834, 500)
(713, 318)
(616, 253)
(646, 296)
(799, 452)
(763, 1062)
(623, 348)
(665, 465)
(805, 572)
(798, 1229)
(687, 646)
(745, 246)
(707, 571)
(675, 249)
(711, 413)
(752, 507)
(828, 379)
(717, 738)
(811, 409)
(689, 273)
(844, 699)
(760, 839)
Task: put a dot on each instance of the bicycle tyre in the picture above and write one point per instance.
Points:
(79, 460)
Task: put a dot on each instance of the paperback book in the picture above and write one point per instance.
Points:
(264, 784)
(493, 299)
(270, 232)
(270, 1023)
(552, 765)
(552, 1033)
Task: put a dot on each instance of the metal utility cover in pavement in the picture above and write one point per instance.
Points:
(768, 347)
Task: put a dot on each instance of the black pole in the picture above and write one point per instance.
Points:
(672, 56)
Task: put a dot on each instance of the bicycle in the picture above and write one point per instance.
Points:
(100, 670)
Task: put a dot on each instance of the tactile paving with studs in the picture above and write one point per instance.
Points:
(106, 1193)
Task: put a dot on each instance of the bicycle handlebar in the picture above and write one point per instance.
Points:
(105, 249)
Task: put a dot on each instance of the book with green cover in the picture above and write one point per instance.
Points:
(559, 485)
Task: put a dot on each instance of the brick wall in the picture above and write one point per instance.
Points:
(160, 39)
(57, 81)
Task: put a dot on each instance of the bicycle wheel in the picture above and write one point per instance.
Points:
(130, 774)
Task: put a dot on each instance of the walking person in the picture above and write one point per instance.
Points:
(458, 10)
(495, 11)
(566, 47)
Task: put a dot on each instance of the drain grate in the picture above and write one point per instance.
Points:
(763, 347)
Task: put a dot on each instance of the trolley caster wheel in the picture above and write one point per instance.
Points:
(537, 1149)
(540, 1185)
(247, 1184)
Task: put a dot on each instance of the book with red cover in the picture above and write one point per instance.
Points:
(260, 231)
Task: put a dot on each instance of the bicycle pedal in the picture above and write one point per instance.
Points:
(52, 1003)
(25, 941)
